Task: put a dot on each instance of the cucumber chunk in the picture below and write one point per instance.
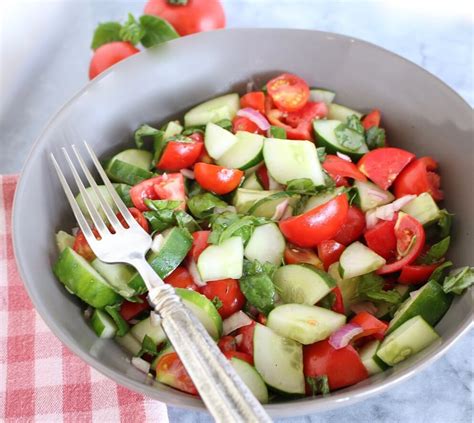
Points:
(218, 140)
(430, 302)
(326, 137)
(102, 324)
(370, 195)
(95, 202)
(321, 95)
(261, 203)
(251, 182)
(64, 240)
(302, 283)
(146, 328)
(266, 244)
(130, 166)
(117, 275)
(410, 338)
(357, 259)
(279, 361)
(304, 323)
(423, 208)
(214, 110)
(287, 160)
(347, 286)
(245, 153)
(129, 343)
(222, 261)
(80, 278)
(322, 198)
(245, 198)
(172, 128)
(203, 309)
(368, 356)
(339, 112)
(251, 378)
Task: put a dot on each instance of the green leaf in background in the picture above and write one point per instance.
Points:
(436, 252)
(458, 280)
(318, 385)
(132, 31)
(106, 32)
(375, 137)
(156, 31)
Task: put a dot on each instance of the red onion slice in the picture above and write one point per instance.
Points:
(255, 116)
(344, 157)
(194, 272)
(280, 210)
(364, 306)
(187, 173)
(377, 194)
(141, 364)
(235, 321)
(343, 335)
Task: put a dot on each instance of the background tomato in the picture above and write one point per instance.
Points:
(109, 54)
(288, 92)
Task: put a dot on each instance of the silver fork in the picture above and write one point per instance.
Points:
(227, 398)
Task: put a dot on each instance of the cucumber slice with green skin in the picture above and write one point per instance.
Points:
(267, 206)
(287, 160)
(423, 208)
(326, 137)
(218, 140)
(251, 182)
(339, 112)
(117, 275)
(278, 360)
(203, 309)
(245, 198)
(303, 323)
(120, 322)
(103, 325)
(368, 356)
(172, 128)
(251, 378)
(214, 110)
(64, 240)
(430, 302)
(129, 343)
(357, 259)
(320, 199)
(83, 280)
(145, 327)
(95, 201)
(130, 166)
(123, 190)
(166, 350)
(222, 261)
(408, 339)
(384, 309)
(370, 195)
(321, 95)
(348, 287)
(302, 283)
(176, 244)
(266, 244)
(245, 153)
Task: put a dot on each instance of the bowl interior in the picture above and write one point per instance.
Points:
(420, 113)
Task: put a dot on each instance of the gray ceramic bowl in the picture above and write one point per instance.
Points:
(420, 113)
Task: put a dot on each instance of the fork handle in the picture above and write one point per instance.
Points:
(226, 397)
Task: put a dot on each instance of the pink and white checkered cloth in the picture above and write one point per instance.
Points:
(40, 379)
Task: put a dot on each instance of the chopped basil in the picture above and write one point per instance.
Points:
(440, 271)
(147, 136)
(370, 287)
(354, 123)
(217, 302)
(318, 385)
(445, 222)
(436, 252)
(201, 206)
(148, 347)
(458, 280)
(277, 132)
(122, 325)
(321, 153)
(375, 137)
(348, 138)
(228, 224)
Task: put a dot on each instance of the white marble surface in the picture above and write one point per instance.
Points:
(44, 55)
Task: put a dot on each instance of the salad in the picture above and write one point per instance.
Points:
(311, 251)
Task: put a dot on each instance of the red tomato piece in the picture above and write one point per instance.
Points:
(316, 225)
(288, 92)
(383, 165)
(338, 306)
(381, 238)
(189, 17)
(180, 155)
(138, 216)
(227, 343)
(228, 292)
(329, 252)
(418, 177)
(340, 168)
(240, 355)
(371, 119)
(199, 244)
(81, 246)
(262, 319)
(217, 179)
(180, 278)
(129, 310)
(262, 176)
(413, 274)
(246, 343)
(370, 324)
(353, 227)
(343, 367)
(170, 370)
(240, 123)
(255, 100)
(109, 54)
(295, 255)
(410, 241)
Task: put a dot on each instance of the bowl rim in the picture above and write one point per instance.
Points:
(347, 396)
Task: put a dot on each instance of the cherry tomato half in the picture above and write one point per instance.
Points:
(353, 228)
(109, 54)
(240, 123)
(199, 244)
(288, 92)
(170, 371)
(138, 216)
(316, 225)
(371, 119)
(329, 252)
(337, 168)
(413, 274)
(217, 179)
(381, 238)
(180, 155)
(246, 343)
(129, 310)
(180, 278)
(255, 100)
(295, 255)
(227, 343)
(370, 324)
(81, 246)
(228, 292)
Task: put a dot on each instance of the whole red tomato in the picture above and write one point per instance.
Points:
(109, 54)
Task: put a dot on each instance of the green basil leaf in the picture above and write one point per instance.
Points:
(458, 280)
(321, 154)
(439, 272)
(225, 124)
(105, 33)
(436, 252)
(318, 385)
(354, 123)
(370, 287)
(217, 302)
(201, 206)
(148, 347)
(186, 221)
(114, 313)
(328, 301)
(277, 132)
(304, 186)
(132, 31)
(259, 291)
(160, 220)
(157, 205)
(348, 138)
(445, 222)
(192, 129)
(144, 134)
(156, 31)
(375, 137)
